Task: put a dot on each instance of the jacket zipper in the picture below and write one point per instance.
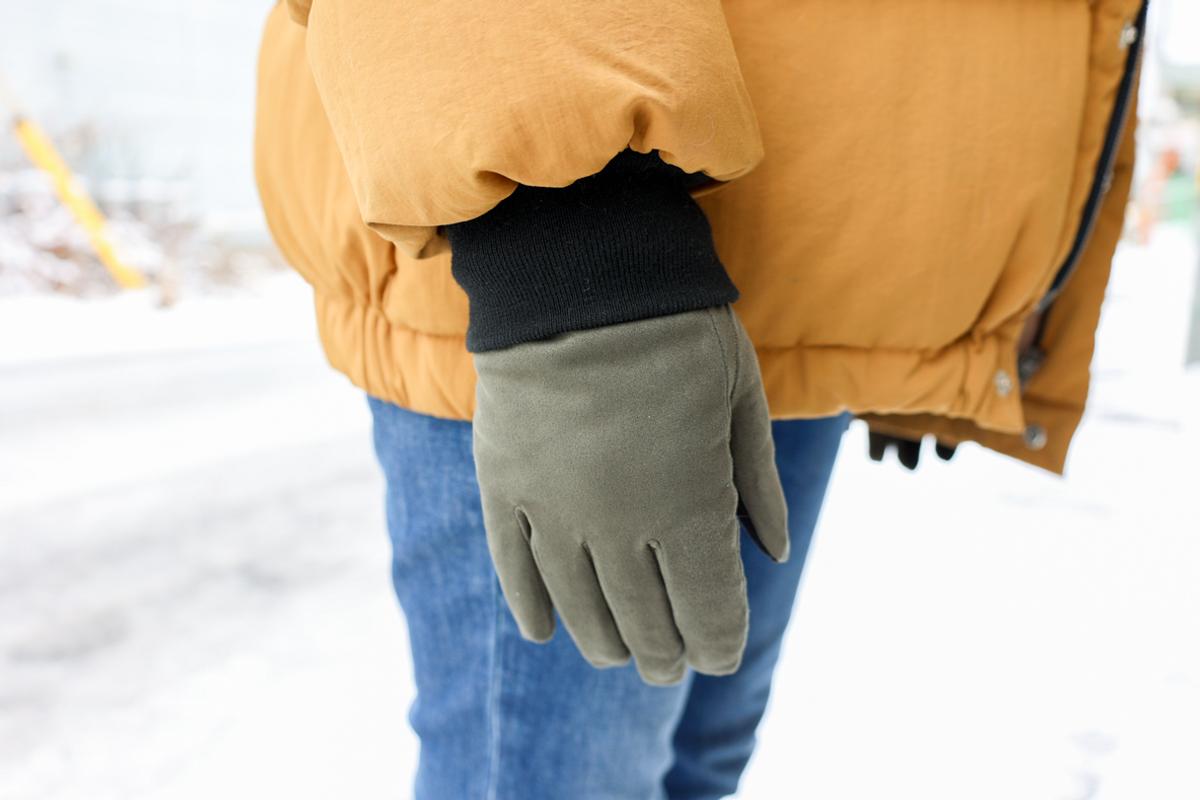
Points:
(1031, 359)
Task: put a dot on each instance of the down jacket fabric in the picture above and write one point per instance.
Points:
(918, 200)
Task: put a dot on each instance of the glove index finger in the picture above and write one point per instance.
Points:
(707, 593)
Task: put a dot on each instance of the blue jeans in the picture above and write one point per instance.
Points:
(500, 718)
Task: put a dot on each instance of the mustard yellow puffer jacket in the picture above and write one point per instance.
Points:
(899, 189)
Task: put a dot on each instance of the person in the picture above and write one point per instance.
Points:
(615, 276)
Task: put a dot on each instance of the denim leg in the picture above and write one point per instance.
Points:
(500, 718)
(715, 736)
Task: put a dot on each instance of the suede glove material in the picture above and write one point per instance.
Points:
(613, 464)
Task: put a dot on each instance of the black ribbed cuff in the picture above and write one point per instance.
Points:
(624, 244)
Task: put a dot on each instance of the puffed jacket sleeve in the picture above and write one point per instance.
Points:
(440, 110)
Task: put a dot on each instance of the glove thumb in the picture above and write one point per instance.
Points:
(761, 503)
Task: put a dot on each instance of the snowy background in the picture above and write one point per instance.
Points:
(194, 584)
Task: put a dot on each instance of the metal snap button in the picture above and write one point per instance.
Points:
(1129, 35)
(1004, 383)
(1035, 437)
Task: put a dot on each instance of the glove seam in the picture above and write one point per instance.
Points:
(737, 352)
(524, 525)
(724, 361)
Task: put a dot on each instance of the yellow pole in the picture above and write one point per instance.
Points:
(42, 153)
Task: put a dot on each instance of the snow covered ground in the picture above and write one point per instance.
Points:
(194, 596)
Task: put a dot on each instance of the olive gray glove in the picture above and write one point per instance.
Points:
(611, 462)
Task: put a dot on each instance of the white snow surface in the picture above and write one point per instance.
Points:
(195, 597)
